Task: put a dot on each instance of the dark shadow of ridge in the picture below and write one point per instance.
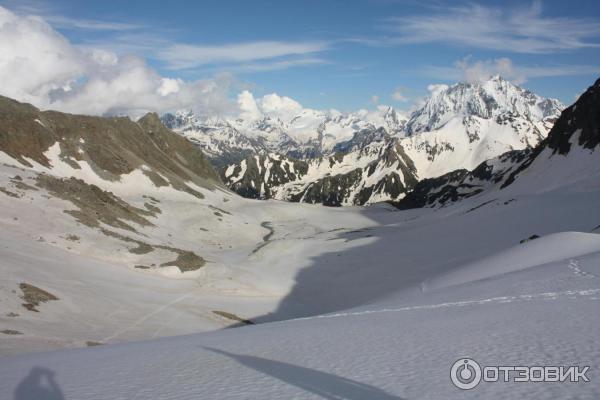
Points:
(323, 384)
(410, 246)
(357, 276)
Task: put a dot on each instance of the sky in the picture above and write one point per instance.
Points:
(115, 57)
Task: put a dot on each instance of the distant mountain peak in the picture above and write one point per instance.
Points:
(487, 99)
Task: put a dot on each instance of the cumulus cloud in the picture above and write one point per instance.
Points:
(398, 95)
(520, 30)
(247, 105)
(40, 66)
(282, 107)
(271, 105)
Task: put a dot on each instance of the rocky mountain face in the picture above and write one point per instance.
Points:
(110, 147)
(382, 154)
(571, 150)
(371, 170)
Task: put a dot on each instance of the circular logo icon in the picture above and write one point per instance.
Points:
(465, 373)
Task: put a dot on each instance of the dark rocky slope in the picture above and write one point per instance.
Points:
(111, 146)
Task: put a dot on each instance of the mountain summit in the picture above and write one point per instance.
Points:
(495, 98)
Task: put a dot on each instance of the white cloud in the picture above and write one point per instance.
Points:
(282, 107)
(271, 105)
(169, 86)
(520, 30)
(398, 96)
(436, 88)
(248, 107)
(482, 70)
(40, 66)
(374, 99)
(470, 70)
(276, 65)
(186, 56)
(48, 12)
(87, 24)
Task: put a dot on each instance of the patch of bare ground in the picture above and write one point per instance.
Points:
(11, 332)
(8, 192)
(92, 343)
(33, 296)
(233, 317)
(219, 210)
(152, 199)
(72, 238)
(141, 247)
(186, 260)
(152, 208)
(95, 205)
(18, 183)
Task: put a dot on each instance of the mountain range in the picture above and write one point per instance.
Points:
(286, 152)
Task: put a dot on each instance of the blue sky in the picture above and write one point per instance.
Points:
(343, 54)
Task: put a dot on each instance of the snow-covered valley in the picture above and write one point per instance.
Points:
(150, 279)
(380, 312)
(264, 200)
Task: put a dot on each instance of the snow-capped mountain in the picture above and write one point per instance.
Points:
(278, 125)
(457, 127)
(462, 125)
(569, 153)
(495, 98)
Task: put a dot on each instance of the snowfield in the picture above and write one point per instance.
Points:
(353, 303)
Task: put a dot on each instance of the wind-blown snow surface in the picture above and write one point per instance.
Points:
(380, 312)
